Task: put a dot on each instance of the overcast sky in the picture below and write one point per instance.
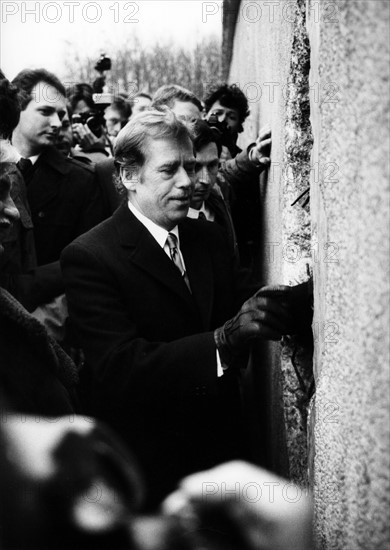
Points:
(34, 34)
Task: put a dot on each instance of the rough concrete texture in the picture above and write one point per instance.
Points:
(296, 237)
(350, 212)
(271, 64)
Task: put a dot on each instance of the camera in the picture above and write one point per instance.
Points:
(103, 64)
(227, 137)
(94, 120)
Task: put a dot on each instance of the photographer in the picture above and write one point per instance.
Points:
(88, 123)
(227, 108)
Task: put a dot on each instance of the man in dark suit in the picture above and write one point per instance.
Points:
(207, 199)
(150, 293)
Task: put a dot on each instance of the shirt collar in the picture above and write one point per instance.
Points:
(194, 214)
(159, 233)
(34, 158)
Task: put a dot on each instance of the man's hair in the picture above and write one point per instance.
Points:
(167, 95)
(131, 144)
(80, 92)
(228, 96)
(122, 106)
(202, 134)
(9, 108)
(27, 79)
(133, 99)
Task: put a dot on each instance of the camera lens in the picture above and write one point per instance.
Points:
(94, 124)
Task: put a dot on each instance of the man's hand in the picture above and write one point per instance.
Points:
(264, 316)
(259, 155)
(298, 301)
(274, 311)
(85, 137)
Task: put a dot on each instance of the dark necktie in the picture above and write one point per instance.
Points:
(202, 216)
(26, 168)
(175, 257)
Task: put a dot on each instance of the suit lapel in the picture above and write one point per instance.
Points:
(199, 268)
(144, 252)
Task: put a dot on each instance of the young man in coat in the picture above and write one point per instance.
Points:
(62, 193)
(153, 296)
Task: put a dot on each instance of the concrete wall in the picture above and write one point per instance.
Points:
(271, 65)
(329, 132)
(350, 213)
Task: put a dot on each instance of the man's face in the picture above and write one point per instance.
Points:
(8, 211)
(225, 114)
(64, 139)
(114, 121)
(41, 120)
(163, 186)
(206, 171)
(140, 104)
(186, 111)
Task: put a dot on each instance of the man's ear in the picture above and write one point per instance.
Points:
(129, 176)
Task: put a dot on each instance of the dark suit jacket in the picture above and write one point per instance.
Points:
(219, 207)
(105, 174)
(241, 190)
(152, 370)
(65, 202)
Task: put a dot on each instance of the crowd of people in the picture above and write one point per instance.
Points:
(128, 234)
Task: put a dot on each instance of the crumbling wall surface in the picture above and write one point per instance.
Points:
(346, 235)
(350, 216)
(271, 62)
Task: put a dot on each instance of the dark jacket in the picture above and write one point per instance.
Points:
(149, 345)
(65, 202)
(217, 204)
(19, 274)
(241, 189)
(105, 177)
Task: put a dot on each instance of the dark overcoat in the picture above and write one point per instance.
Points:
(151, 358)
(65, 201)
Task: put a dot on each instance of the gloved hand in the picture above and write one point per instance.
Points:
(298, 300)
(264, 316)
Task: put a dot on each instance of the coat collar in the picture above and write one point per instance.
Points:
(146, 253)
(56, 160)
(49, 172)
